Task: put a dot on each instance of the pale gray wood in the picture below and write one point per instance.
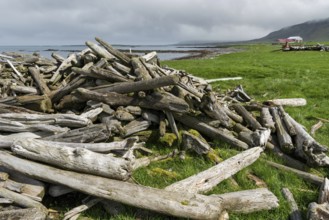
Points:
(196, 143)
(119, 55)
(77, 159)
(251, 121)
(39, 81)
(207, 130)
(290, 128)
(318, 211)
(24, 214)
(248, 201)
(19, 75)
(24, 89)
(295, 214)
(22, 200)
(284, 138)
(63, 66)
(7, 140)
(208, 179)
(99, 51)
(306, 176)
(324, 192)
(266, 119)
(287, 102)
(308, 148)
(157, 101)
(180, 204)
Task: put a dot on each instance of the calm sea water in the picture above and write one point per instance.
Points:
(46, 51)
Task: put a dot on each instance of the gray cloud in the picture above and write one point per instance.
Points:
(149, 22)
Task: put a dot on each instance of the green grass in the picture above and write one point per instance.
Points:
(267, 73)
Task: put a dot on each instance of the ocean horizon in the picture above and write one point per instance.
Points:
(165, 52)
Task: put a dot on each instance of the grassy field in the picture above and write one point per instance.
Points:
(267, 73)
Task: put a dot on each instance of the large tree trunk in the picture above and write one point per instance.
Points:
(208, 179)
(77, 159)
(178, 204)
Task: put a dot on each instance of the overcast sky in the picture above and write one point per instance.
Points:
(64, 22)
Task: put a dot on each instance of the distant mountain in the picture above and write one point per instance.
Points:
(317, 30)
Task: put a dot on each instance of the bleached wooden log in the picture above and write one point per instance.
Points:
(69, 120)
(285, 140)
(290, 128)
(122, 68)
(39, 81)
(22, 200)
(318, 211)
(287, 102)
(150, 56)
(123, 145)
(208, 179)
(77, 159)
(251, 121)
(223, 79)
(157, 101)
(180, 204)
(121, 56)
(139, 69)
(26, 214)
(19, 75)
(135, 126)
(143, 85)
(24, 89)
(145, 161)
(308, 148)
(64, 65)
(100, 51)
(207, 130)
(248, 201)
(7, 140)
(324, 192)
(306, 176)
(295, 214)
(214, 109)
(315, 127)
(266, 119)
(198, 144)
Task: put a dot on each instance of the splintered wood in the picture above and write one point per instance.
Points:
(80, 124)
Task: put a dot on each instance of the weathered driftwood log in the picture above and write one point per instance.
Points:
(290, 128)
(69, 120)
(208, 179)
(38, 79)
(64, 65)
(213, 109)
(18, 75)
(180, 204)
(67, 89)
(143, 85)
(32, 102)
(145, 161)
(324, 192)
(9, 126)
(287, 102)
(139, 69)
(307, 148)
(119, 55)
(158, 101)
(22, 200)
(195, 142)
(318, 211)
(24, 89)
(251, 121)
(123, 145)
(248, 201)
(295, 214)
(26, 214)
(285, 140)
(14, 109)
(7, 140)
(77, 159)
(306, 176)
(256, 138)
(215, 133)
(315, 127)
(266, 119)
(32, 188)
(135, 126)
(99, 51)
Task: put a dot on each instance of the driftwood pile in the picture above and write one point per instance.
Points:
(75, 124)
(317, 47)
